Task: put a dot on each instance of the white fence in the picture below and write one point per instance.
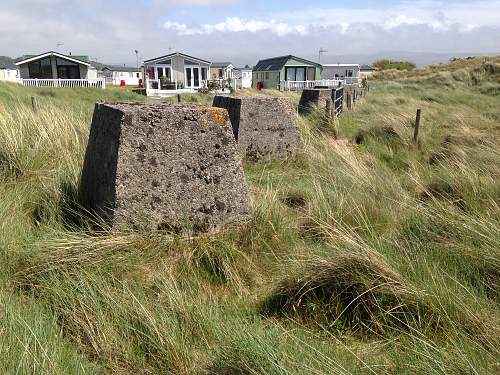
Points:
(330, 83)
(156, 85)
(98, 83)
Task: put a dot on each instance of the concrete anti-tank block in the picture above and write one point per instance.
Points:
(265, 127)
(311, 98)
(172, 167)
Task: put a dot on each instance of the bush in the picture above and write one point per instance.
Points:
(389, 64)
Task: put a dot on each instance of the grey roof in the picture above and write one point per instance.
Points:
(221, 64)
(367, 67)
(121, 68)
(9, 66)
(246, 67)
(174, 54)
(277, 63)
(83, 58)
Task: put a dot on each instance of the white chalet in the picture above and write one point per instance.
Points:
(175, 73)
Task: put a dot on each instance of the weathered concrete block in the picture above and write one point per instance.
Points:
(265, 127)
(311, 98)
(173, 167)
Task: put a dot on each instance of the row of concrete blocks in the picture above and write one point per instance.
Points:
(332, 99)
(179, 167)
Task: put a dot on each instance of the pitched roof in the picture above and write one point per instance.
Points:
(221, 64)
(84, 60)
(246, 67)
(339, 65)
(277, 63)
(176, 54)
(121, 68)
(8, 66)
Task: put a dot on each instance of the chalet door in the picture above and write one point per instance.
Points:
(196, 77)
(192, 78)
(189, 77)
(159, 72)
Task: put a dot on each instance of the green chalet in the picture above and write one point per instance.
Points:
(278, 72)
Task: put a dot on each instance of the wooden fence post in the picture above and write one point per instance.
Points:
(179, 98)
(34, 103)
(349, 102)
(417, 126)
(328, 109)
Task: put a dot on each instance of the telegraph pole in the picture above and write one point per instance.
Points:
(321, 51)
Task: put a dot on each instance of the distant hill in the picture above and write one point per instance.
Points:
(420, 59)
(461, 71)
(6, 60)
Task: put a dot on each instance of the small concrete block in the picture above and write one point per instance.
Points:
(173, 167)
(265, 127)
(312, 98)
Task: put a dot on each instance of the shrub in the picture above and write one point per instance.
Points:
(389, 64)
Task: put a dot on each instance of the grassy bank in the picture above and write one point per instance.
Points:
(367, 254)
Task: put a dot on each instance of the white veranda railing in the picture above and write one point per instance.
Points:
(98, 83)
(330, 83)
(157, 85)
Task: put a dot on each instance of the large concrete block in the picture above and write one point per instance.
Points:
(173, 167)
(265, 127)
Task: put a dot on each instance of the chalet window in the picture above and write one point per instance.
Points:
(150, 73)
(311, 74)
(295, 73)
(203, 74)
(67, 69)
(301, 74)
(349, 73)
(221, 73)
(41, 69)
(163, 72)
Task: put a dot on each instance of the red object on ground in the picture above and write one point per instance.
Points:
(122, 83)
(260, 85)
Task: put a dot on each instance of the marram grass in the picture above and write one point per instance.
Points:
(368, 254)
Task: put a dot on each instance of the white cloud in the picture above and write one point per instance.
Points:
(437, 15)
(236, 24)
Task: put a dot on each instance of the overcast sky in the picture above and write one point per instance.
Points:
(243, 31)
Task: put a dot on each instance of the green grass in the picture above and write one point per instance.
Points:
(366, 254)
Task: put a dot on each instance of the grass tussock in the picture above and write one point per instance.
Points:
(358, 293)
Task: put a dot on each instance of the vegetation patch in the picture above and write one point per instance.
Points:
(358, 293)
